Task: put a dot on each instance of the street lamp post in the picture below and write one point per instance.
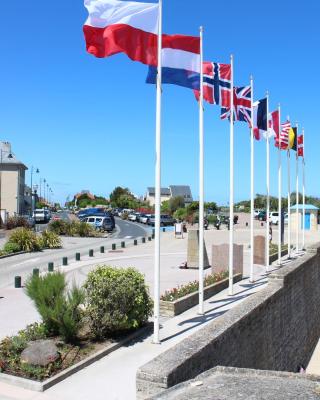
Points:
(32, 202)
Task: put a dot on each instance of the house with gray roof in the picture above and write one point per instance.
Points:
(168, 193)
(12, 182)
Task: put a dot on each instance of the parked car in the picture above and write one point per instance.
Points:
(165, 220)
(274, 218)
(256, 213)
(145, 218)
(100, 223)
(133, 217)
(262, 216)
(90, 211)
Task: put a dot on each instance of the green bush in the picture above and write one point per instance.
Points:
(10, 248)
(86, 230)
(59, 227)
(60, 311)
(117, 300)
(50, 240)
(16, 222)
(26, 239)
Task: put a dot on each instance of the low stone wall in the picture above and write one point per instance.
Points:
(172, 308)
(275, 329)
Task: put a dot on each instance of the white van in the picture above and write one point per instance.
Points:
(41, 215)
(274, 218)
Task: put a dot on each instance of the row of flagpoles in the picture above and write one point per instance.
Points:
(115, 26)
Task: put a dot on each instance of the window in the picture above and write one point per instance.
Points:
(90, 219)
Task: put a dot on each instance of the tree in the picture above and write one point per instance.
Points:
(120, 196)
(211, 205)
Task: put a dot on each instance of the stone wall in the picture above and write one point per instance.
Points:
(275, 329)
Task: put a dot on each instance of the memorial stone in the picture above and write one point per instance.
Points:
(259, 251)
(220, 258)
(193, 250)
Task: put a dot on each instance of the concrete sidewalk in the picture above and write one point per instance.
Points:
(113, 377)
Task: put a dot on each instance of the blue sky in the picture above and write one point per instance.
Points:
(89, 123)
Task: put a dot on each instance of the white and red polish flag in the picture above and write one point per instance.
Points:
(115, 26)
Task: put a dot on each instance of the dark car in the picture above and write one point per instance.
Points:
(262, 216)
(165, 220)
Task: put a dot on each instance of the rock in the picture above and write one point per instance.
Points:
(40, 352)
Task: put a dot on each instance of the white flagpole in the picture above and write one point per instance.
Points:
(156, 323)
(252, 187)
(279, 191)
(303, 196)
(268, 188)
(201, 182)
(297, 193)
(231, 200)
(289, 205)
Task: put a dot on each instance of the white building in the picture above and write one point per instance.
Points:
(170, 192)
(12, 182)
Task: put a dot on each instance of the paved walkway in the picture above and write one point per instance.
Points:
(113, 377)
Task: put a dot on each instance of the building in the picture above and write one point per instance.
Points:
(12, 183)
(311, 217)
(168, 193)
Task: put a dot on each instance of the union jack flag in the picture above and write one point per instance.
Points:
(241, 105)
(284, 136)
(216, 83)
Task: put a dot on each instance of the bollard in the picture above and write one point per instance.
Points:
(149, 238)
(64, 260)
(135, 242)
(77, 256)
(153, 235)
(247, 224)
(17, 282)
(261, 223)
(101, 249)
(114, 246)
(91, 253)
(35, 272)
(143, 240)
(163, 229)
(123, 244)
(50, 266)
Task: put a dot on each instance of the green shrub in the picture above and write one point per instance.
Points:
(10, 248)
(16, 222)
(60, 311)
(86, 230)
(26, 239)
(59, 227)
(117, 300)
(50, 240)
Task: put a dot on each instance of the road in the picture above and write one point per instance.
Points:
(23, 264)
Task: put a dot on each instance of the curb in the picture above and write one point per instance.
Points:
(46, 384)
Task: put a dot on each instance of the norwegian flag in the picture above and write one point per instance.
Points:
(241, 105)
(300, 146)
(284, 136)
(216, 83)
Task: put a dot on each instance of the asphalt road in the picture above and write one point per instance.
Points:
(23, 264)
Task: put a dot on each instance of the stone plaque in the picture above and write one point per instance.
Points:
(259, 250)
(220, 258)
(193, 250)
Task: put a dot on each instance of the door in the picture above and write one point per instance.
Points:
(306, 221)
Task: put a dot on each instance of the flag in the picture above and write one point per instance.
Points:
(274, 123)
(260, 118)
(216, 83)
(180, 62)
(241, 105)
(283, 138)
(300, 146)
(292, 139)
(129, 27)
